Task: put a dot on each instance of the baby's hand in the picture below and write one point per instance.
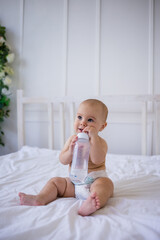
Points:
(91, 131)
(72, 144)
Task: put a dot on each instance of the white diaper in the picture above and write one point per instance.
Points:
(82, 191)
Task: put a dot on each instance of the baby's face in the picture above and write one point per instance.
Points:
(88, 115)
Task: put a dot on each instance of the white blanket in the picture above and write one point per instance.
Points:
(132, 213)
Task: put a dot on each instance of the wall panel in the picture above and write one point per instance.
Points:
(42, 47)
(156, 49)
(124, 48)
(81, 36)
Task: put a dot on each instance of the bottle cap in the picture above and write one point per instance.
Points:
(83, 135)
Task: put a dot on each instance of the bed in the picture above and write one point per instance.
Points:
(132, 213)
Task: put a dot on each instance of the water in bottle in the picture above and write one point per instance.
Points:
(79, 167)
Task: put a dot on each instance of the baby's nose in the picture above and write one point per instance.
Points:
(84, 123)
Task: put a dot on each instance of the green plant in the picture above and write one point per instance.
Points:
(5, 81)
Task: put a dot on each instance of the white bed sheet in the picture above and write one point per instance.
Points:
(132, 213)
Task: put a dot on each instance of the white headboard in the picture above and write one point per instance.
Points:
(150, 102)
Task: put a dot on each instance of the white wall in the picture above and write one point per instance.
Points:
(83, 47)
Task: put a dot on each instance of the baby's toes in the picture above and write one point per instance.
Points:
(97, 202)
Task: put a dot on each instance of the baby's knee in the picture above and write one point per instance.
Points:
(57, 181)
(103, 186)
(108, 184)
(60, 184)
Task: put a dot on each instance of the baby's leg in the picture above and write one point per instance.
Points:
(55, 187)
(101, 190)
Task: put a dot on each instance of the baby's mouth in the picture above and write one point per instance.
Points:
(80, 129)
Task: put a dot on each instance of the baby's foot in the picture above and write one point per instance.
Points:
(90, 205)
(30, 200)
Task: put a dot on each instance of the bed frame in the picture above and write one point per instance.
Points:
(149, 105)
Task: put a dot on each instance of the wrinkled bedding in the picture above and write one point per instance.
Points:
(132, 213)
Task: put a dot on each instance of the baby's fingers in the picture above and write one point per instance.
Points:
(86, 130)
(74, 140)
(72, 144)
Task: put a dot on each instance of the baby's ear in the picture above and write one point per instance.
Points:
(103, 126)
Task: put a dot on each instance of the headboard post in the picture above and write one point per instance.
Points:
(72, 117)
(20, 118)
(62, 124)
(157, 129)
(50, 125)
(144, 129)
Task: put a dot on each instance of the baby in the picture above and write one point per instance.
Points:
(91, 118)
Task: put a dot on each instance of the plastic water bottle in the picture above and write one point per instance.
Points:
(79, 167)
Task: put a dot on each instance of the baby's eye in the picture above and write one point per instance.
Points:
(79, 117)
(90, 120)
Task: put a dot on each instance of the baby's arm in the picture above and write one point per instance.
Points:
(98, 150)
(98, 146)
(67, 152)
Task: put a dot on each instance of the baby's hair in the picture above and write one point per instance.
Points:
(97, 102)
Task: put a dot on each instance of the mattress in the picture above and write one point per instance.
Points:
(132, 213)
